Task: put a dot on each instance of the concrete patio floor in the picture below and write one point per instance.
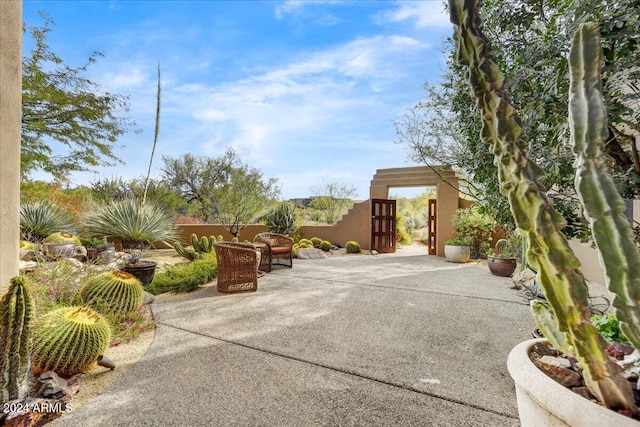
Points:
(400, 339)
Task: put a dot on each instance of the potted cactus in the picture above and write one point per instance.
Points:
(565, 319)
(503, 259)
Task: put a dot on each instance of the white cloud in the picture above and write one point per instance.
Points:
(423, 13)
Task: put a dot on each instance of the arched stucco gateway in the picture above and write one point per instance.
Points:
(357, 224)
(440, 177)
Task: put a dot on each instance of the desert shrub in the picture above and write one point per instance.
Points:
(352, 247)
(402, 235)
(325, 245)
(186, 277)
(128, 326)
(608, 326)
(475, 226)
(55, 284)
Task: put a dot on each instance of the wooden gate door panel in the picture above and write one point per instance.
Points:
(383, 225)
(432, 227)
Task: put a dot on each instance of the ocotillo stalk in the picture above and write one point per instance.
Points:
(537, 221)
(16, 316)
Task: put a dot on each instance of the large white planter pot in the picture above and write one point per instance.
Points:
(457, 253)
(543, 402)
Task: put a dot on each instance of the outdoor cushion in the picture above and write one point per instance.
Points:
(280, 249)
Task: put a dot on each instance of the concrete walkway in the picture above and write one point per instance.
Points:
(401, 339)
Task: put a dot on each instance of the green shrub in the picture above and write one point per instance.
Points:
(325, 245)
(352, 247)
(185, 278)
(402, 236)
(608, 326)
(475, 226)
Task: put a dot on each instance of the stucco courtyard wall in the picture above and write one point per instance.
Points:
(10, 122)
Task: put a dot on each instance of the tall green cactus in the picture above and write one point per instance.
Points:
(68, 341)
(16, 316)
(198, 247)
(549, 252)
(603, 206)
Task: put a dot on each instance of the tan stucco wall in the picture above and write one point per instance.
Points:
(10, 119)
(355, 225)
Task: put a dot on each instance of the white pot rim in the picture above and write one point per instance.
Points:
(572, 408)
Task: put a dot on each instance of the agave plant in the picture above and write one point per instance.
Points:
(39, 220)
(283, 219)
(137, 226)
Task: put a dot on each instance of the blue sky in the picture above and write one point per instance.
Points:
(305, 91)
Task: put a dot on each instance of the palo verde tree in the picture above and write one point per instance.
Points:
(198, 179)
(62, 107)
(244, 197)
(532, 50)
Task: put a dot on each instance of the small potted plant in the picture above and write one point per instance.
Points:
(95, 247)
(457, 250)
(503, 258)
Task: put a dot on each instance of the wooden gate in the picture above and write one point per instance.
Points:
(383, 225)
(432, 227)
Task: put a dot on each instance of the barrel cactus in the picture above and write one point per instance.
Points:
(352, 247)
(16, 315)
(116, 291)
(69, 341)
(317, 242)
(325, 245)
(63, 237)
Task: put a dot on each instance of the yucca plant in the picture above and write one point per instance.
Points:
(39, 220)
(137, 226)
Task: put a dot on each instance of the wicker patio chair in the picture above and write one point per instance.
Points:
(279, 247)
(237, 267)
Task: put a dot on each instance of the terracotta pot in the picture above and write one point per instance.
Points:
(143, 270)
(502, 266)
(457, 253)
(544, 402)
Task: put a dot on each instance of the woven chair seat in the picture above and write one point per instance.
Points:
(237, 267)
